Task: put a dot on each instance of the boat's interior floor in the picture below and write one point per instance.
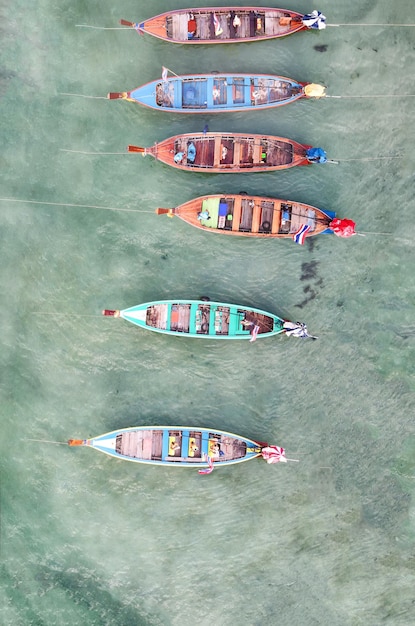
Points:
(178, 445)
(230, 24)
(227, 151)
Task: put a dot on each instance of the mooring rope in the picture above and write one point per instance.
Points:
(80, 206)
(386, 95)
(81, 95)
(380, 158)
(94, 153)
(102, 27)
(63, 314)
(350, 24)
(61, 443)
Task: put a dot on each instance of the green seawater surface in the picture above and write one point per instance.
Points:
(89, 540)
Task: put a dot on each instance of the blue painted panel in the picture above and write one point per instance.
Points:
(104, 437)
(165, 447)
(205, 443)
(185, 443)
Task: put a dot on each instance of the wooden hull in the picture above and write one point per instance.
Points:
(218, 25)
(227, 152)
(175, 446)
(215, 93)
(244, 215)
(202, 319)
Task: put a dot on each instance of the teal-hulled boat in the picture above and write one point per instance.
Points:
(209, 320)
(181, 446)
(219, 93)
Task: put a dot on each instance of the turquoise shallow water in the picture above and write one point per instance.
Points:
(89, 540)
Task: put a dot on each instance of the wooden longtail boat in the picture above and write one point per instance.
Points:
(226, 24)
(230, 152)
(219, 93)
(252, 216)
(204, 319)
(181, 447)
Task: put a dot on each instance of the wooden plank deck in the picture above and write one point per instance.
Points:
(265, 323)
(180, 317)
(205, 150)
(257, 151)
(156, 316)
(236, 152)
(203, 21)
(179, 27)
(137, 444)
(299, 217)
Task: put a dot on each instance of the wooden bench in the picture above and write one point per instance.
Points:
(236, 214)
(257, 152)
(276, 220)
(218, 151)
(256, 218)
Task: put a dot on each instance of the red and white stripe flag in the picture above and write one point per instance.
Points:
(274, 454)
(209, 469)
(301, 234)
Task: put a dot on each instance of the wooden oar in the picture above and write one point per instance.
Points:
(135, 149)
(127, 23)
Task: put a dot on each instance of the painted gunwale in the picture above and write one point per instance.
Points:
(228, 152)
(244, 215)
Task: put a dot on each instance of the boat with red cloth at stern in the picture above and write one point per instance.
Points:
(263, 217)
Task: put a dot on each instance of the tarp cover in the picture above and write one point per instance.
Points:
(343, 228)
(274, 454)
(315, 19)
(316, 155)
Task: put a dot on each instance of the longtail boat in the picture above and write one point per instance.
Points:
(231, 152)
(256, 216)
(181, 447)
(218, 93)
(204, 319)
(226, 24)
